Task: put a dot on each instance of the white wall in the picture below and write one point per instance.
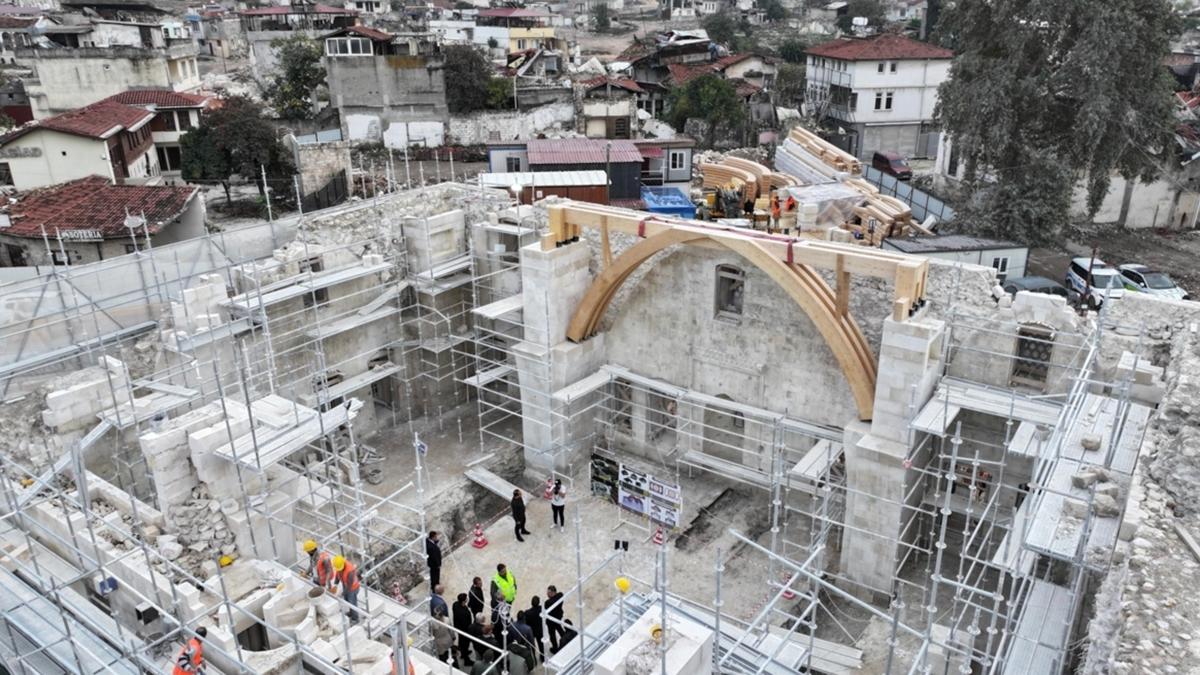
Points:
(913, 85)
(60, 157)
(508, 125)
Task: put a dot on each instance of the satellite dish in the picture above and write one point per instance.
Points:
(860, 21)
(133, 222)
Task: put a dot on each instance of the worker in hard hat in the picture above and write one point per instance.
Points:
(191, 657)
(345, 576)
(320, 564)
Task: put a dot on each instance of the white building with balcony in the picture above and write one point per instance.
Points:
(881, 90)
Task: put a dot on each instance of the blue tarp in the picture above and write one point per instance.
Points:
(668, 201)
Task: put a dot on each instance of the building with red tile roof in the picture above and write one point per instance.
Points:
(90, 219)
(175, 113)
(107, 138)
(887, 46)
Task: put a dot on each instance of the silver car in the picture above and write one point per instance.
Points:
(1143, 279)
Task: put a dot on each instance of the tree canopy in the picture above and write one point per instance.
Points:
(601, 21)
(792, 50)
(789, 84)
(468, 73)
(709, 98)
(297, 76)
(234, 139)
(720, 27)
(1046, 93)
(873, 10)
(774, 10)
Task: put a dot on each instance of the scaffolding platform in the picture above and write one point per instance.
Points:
(494, 484)
(727, 469)
(289, 289)
(936, 417)
(509, 228)
(581, 388)
(1038, 642)
(1097, 417)
(9, 369)
(998, 402)
(1024, 441)
(499, 308)
(183, 344)
(262, 448)
(488, 376)
(1055, 533)
(350, 323)
(361, 381)
(1011, 555)
(446, 268)
(813, 468)
(146, 408)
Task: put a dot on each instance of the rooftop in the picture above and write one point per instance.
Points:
(620, 82)
(513, 13)
(92, 205)
(17, 21)
(279, 10)
(99, 121)
(363, 31)
(160, 98)
(582, 151)
(946, 243)
(886, 46)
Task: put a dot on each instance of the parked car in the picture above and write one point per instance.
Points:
(891, 163)
(1104, 281)
(1143, 279)
(1035, 285)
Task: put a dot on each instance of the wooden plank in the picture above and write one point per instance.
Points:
(842, 278)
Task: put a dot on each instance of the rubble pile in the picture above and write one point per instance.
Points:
(199, 534)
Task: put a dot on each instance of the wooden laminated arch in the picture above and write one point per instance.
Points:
(789, 263)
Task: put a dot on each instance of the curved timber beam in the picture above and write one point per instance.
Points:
(802, 284)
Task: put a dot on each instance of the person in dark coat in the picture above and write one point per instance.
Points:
(554, 607)
(462, 622)
(518, 514)
(433, 557)
(533, 617)
(475, 596)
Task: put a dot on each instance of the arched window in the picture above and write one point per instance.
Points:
(1031, 363)
(731, 287)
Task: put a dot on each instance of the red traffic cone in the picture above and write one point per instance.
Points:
(659, 537)
(549, 488)
(787, 591)
(480, 540)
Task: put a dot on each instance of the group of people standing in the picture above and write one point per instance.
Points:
(523, 633)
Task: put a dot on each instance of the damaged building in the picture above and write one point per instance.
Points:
(812, 455)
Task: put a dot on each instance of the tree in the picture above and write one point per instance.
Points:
(774, 10)
(467, 74)
(709, 98)
(500, 93)
(789, 84)
(292, 90)
(234, 139)
(720, 27)
(871, 9)
(1043, 95)
(600, 19)
(792, 50)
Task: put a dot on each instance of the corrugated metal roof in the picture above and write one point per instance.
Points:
(947, 243)
(543, 179)
(581, 151)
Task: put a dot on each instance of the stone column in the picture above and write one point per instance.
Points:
(878, 479)
(552, 284)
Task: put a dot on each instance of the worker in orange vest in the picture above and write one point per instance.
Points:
(345, 575)
(191, 658)
(411, 670)
(775, 212)
(320, 564)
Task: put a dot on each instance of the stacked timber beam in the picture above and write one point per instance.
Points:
(825, 151)
(751, 178)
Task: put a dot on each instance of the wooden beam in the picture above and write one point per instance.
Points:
(842, 279)
(607, 250)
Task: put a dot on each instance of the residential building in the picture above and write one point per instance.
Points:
(387, 87)
(606, 107)
(539, 76)
(174, 114)
(905, 11)
(77, 64)
(107, 139)
(517, 29)
(882, 89)
(89, 219)
(14, 102)
(217, 31)
(16, 32)
(262, 25)
(667, 162)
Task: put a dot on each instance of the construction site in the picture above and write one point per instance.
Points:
(782, 453)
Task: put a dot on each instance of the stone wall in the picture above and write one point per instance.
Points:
(510, 125)
(318, 163)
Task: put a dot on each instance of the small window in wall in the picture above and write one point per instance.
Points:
(319, 296)
(887, 101)
(731, 287)
(1031, 365)
(512, 164)
(60, 257)
(879, 100)
(6, 177)
(678, 160)
(880, 69)
(853, 101)
(892, 67)
(1000, 264)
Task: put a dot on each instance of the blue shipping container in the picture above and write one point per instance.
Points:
(668, 201)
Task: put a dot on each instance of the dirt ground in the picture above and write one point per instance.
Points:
(1172, 252)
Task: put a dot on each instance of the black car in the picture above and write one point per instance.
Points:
(1035, 285)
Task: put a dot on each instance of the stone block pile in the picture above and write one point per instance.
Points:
(200, 309)
(76, 405)
(198, 532)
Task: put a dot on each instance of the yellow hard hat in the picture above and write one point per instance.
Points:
(310, 546)
(656, 633)
(622, 584)
(226, 560)
(339, 562)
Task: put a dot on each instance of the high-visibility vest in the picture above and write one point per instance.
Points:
(507, 585)
(190, 658)
(323, 568)
(348, 577)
